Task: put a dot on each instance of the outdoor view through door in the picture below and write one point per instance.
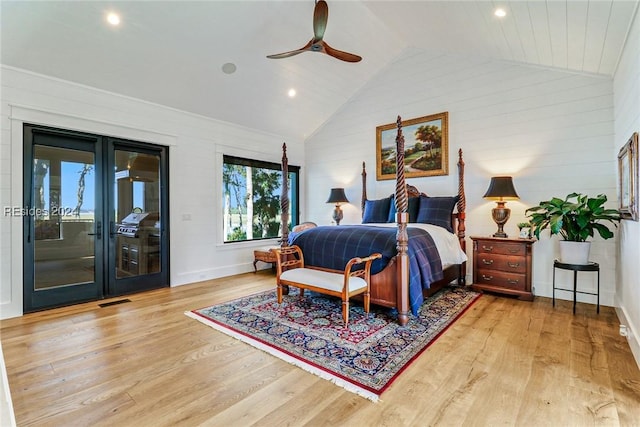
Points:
(137, 197)
(64, 222)
(95, 215)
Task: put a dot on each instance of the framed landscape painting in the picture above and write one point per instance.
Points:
(426, 147)
(628, 178)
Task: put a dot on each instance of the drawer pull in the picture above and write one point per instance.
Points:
(484, 277)
(512, 281)
(513, 251)
(487, 261)
(487, 248)
(513, 264)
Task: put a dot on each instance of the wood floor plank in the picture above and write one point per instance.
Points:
(145, 363)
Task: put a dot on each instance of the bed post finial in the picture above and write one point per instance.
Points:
(402, 218)
(364, 188)
(284, 198)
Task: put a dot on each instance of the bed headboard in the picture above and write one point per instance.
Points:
(458, 217)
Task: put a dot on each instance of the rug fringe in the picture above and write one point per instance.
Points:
(287, 358)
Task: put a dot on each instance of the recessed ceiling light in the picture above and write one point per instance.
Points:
(229, 68)
(500, 12)
(292, 93)
(113, 18)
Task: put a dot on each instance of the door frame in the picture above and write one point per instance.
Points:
(60, 295)
(145, 282)
(105, 277)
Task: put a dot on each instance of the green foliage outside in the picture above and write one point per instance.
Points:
(265, 201)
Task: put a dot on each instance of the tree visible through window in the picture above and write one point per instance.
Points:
(251, 198)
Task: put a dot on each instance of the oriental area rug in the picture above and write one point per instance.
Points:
(365, 357)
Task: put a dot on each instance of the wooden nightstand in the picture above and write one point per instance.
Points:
(503, 265)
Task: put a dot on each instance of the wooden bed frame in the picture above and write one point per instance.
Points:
(390, 287)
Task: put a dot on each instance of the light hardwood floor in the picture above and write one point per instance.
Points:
(144, 363)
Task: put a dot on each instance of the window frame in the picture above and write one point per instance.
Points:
(294, 188)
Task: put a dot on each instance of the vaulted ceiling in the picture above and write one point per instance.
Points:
(172, 52)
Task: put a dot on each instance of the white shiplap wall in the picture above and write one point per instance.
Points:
(626, 88)
(551, 130)
(196, 145)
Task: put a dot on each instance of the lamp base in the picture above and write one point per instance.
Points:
(337, 215)
(500, 215)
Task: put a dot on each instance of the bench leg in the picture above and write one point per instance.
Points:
(279, 292)
(366, 302)
(345, 312)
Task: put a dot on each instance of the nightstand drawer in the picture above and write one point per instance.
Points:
(503, 248)
(506, 263)
(501, 279)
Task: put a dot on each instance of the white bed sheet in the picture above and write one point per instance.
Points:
(446, 242)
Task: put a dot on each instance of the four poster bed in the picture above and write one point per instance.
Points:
(418, 259)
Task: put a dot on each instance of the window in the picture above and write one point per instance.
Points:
(251, 198)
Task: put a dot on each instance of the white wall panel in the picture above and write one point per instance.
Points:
(552, 130)
(627, 121)
(197, 252)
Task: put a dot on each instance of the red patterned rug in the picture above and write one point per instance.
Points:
(308, 332)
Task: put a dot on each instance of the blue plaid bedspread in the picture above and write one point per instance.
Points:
(333, 246)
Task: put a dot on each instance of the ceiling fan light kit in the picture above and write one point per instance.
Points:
(317, 44)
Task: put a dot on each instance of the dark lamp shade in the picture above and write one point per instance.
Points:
(337, 196)
(501, 188)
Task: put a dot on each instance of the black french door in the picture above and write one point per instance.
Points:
(78, 190)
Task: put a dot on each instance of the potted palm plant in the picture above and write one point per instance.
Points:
(575, 218)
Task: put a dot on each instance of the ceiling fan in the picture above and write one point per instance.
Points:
(316, 44)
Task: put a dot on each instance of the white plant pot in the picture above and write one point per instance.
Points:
(574, 252)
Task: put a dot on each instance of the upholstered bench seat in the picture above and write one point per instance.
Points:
(322, 279)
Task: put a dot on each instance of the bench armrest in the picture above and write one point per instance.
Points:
(365, 272)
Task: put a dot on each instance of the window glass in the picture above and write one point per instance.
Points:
(251, 192)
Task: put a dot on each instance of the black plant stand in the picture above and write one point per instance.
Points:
(592, 266)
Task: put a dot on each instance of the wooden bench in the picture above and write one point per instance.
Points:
(292, 272)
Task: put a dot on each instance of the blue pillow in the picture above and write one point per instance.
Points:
(437, 211)
(376, 210)
(414, 204)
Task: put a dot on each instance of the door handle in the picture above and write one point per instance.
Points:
(98, 232)
(112, 228)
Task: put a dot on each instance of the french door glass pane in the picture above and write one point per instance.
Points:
(64, 217)
(137, 213)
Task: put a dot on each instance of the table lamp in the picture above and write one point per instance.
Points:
(501, 189)
(337, 196)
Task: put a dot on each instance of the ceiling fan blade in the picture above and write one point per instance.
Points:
(285, 54)
(343, 56)
(320, 17)
(291, 53)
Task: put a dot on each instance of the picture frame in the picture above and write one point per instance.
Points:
(426, 147)
(628, 179)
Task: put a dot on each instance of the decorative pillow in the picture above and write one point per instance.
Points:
(414, 204)
(437, 211)
(376, 210)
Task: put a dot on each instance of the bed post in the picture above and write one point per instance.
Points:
(462, 205)
(364, 189)
(284, 198)
(462, 202)
(284, 206)
(402, 218)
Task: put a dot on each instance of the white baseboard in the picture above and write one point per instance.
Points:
(632, 334)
